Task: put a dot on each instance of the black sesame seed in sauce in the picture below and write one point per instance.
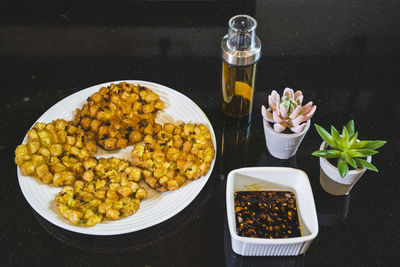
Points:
(266, 214)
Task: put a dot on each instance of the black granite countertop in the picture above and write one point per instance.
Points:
(343, 55)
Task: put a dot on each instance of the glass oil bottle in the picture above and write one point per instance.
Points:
(240, 51)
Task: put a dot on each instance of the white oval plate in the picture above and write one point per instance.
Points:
(157, 207)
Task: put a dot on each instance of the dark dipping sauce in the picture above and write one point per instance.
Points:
(266, 214)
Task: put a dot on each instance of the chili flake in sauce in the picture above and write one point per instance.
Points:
(266, 214)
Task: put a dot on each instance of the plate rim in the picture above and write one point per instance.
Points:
(93, 232)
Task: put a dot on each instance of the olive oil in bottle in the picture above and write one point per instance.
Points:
(237, 89)
(241, 50)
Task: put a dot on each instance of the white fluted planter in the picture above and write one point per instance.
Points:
(330, 178)
(280, 145)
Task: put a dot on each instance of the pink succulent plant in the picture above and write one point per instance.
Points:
(287, 112)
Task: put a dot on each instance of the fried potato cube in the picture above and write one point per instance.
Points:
(159, 172)
(90, 146)
(100, 183)
(55, 150)
(100, 169)
(157, 127)
(45, 141)
(169, 127)
(112, 214)
(40, 126)
(33, 147)
(49, 127)
(148, 108)
(73, 216)
(209, 154)
(32, 135)
(22, 154)
(96, 97)
(114, 186)
(44, 152)
(62, 137)
(188, 129)
(60, 125)
(37, 159)
(83, 154)
(117, 205)
(94, 219)
(93, 110)
(42, 171)
(47, 177)
(151, 181)
(85, 196)
(135, 137)
(172, 154)
(134, 173)
(187, 146)
(86, 123)
(141, 194)
(63, 178)
(112, 195)
(101, 194)
(110, 143)
(163, 135)
(88, 175)
(122, 143)
(103, 207)
(149, 139)
(178, 141)
(79, 141)
(172, 185)
(71, 129)
(148, 130)
(180, 179)
(70, 140)
(28, 168)
(192, 172)
(125, 191)
(204, 167)
(159, 105)
(78, 186)
(74, 151)
(58, 167)
(94, 125)
(163, 180)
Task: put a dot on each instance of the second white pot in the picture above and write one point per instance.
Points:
(330, 178)
(280, 145)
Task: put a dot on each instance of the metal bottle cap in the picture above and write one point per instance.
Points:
(241, 46)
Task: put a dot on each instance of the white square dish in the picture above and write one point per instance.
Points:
(273, 179)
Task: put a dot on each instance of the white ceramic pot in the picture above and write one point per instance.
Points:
(330, 178)
(280, 145)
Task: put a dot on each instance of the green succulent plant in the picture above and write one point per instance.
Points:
(347, 148)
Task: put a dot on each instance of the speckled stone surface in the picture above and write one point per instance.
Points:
(343, 55)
